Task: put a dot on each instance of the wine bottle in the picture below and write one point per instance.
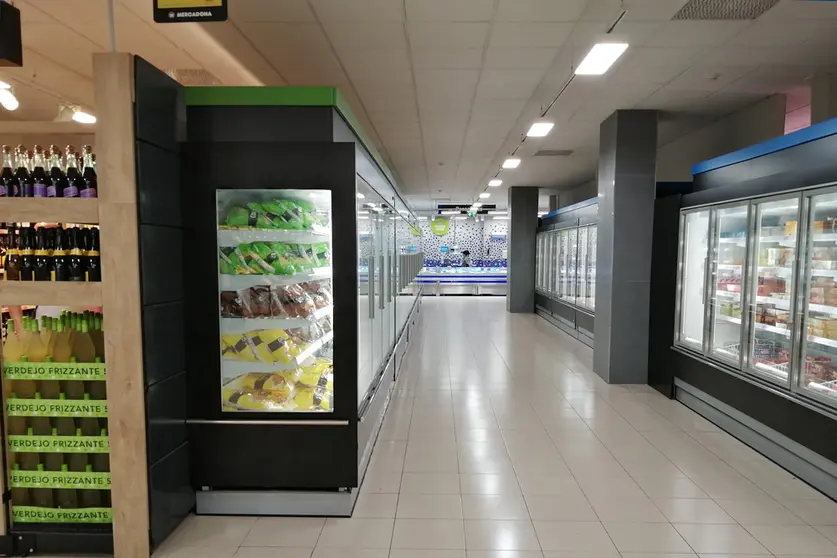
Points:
(57, 179)
(75, 388)
(12, 265)
(22, 172)
(74, 179)
(91, 187)
(75, 261)
(94, 261)
(77, 461)
(20, 496)
(60, 257)
(8, 183)
(42, 497)
(53, 461)
(27, 253)
(90, 498)
(40, 179)
(29, 461)
(66, 498)
(43, 260)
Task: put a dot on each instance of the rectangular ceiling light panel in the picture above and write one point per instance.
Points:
(600, 58)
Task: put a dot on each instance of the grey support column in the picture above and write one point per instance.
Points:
(627, 184)
(823, 97)
(523, 225)
(553, 202)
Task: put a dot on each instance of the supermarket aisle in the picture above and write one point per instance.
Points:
(501, 438)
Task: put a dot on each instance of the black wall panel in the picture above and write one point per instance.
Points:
(260, 124)
(160, 127)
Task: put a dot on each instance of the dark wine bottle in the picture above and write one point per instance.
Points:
(74, 179)
(91, 187)
(94, 260)
(27, 253)
(24, 180)
(42, 257)
(75, 260)
(12, 265)
(58, 181)
(8, 183)
(60, 255)
(39, 174)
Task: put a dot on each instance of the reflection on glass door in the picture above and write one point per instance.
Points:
(591, 271)
(563, 263)
(772, 287)
(583, 256)
(365, 201)
(694, 248)
(730, 252)
(818, 377)
(538, 259)
(275, 311)
(572, 264)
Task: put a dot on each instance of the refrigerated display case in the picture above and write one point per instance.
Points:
(440, 280)
(565, 286)
(769, 314)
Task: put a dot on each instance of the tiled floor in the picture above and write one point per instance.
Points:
(502, 443)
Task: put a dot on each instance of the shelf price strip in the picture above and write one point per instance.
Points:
(33, 514)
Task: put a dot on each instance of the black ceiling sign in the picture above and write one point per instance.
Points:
(182, 11)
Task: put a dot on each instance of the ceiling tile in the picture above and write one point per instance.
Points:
(519, 58)
(64, 46)
(379, 100)
(707, 78)
(446, 85)
(450, 58)
(743, 56)
(438, 35)
(362, 35)
(651, 10)
(358, 10)
(497, 109)
(790, 10)
(781, 33)
(272, 10)
(374, 62)
(508, 84)
(669, 99)
(530, 34)
(657, 56)
(540, 10)
(29, 13)
(449, 10)
(683, 33)
(633, 72)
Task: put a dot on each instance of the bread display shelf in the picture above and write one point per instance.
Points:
(51, 293)
(49, 210)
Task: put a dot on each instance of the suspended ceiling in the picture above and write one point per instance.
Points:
(446, 88)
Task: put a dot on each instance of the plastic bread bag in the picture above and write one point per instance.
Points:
(236, 346)
(296, 301)
(254, 259)
(319, 293)
(287, 261)
(260, 301)
(232, 262)
(320, 374)
(277, 307)
(285, 213)
(264, 382)
(323, 253)
(307, 334)
(312, 399)
(256, 400)
(236, 304)
(272, 345)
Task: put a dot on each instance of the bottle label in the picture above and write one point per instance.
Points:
(59, 253)
(26, 252)
(34, 514)
(40, 190)
(28, 190)
(19, 443)
(59, 479)
(88, 193)
(92, 252)
(3, 192)
(42, 252)
(51, 191)
(70, 192)
(54, 370)
(57, 408)
(52, 275)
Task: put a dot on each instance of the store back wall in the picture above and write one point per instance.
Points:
(467, 234)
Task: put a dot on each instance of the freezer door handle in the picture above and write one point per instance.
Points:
(370, 282)
(383, 284)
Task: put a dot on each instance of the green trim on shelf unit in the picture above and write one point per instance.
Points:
(260, 96)
(289, 96)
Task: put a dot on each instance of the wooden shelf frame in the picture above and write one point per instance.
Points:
(49, 210)
(50, 293)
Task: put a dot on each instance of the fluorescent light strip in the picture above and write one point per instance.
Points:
(540, 129)
(600, 58)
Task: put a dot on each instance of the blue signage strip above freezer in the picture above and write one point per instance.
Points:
(805, 135)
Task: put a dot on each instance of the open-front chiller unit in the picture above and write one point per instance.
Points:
(757, 291)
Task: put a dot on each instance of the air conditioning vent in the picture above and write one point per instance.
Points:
(716, 10)
(554, 153)
(193, 77)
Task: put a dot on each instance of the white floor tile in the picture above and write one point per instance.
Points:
(796, 539)
(285, 531)
(763, 511)
(375, 505)
(429, 534)
(500, 535)
(494, 506)
(573, 536)
(430, 506)
(273, 552)
(560, 508)
(689, 510)
(356, 533)
(337, 552)
(719, 539)
(211, 531)
(646, 537)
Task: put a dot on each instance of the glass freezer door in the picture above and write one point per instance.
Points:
(572, 266)
(274, 265)
(694, 249)
(729, 256)
(563, 264)
(591, 270)
(771, 289)
(583, 256)
(818, 376)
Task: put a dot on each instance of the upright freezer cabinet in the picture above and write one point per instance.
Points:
(292, 274)
(757, 292)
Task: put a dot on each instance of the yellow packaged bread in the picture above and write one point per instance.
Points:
(319, 373)
(256, 400)
(263, 382)
(272, 345)
(312, 399)
(236, 346)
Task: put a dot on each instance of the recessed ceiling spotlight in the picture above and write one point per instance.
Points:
(4, 85)
(485, 195)
(83, 117)
(494, 182)
(511, 163)
(540, 129)
(8, 100)
(360, 196)
(600, 58)
(501, 218)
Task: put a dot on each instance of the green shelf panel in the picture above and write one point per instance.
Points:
(34, 514)
(53, 371)
(58, 444)
(56, 408)
(59, 479)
